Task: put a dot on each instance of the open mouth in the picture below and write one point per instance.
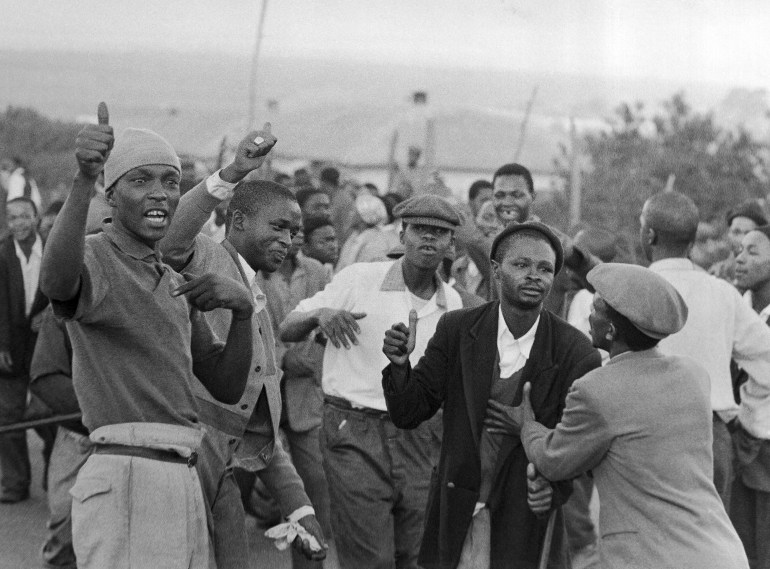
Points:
(508, 214)
(156, 217)
(427, 249)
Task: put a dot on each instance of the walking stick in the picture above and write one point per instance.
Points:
(34, 423)
(546, 552)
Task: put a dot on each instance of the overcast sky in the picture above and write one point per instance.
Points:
(720, 41)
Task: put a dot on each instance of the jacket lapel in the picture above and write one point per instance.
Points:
(478, 349)
(16, 280)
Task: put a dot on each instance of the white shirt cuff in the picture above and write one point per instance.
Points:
(300, 513)
(218, 188)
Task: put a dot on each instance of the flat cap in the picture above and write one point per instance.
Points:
(542, 228)
(648, 300)
(428, 209)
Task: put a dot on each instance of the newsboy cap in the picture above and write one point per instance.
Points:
(542, 228)
(428, 209)
(648, 300)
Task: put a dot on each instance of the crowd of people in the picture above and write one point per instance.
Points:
(413, 381)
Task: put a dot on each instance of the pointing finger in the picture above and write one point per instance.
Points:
(525, 396)
(531, 472)
(103, 114)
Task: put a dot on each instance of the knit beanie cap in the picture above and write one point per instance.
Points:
(138, 147)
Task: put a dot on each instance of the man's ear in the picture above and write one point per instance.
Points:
(109, 195)
(238, 220)
(495, 269)
(401, 236)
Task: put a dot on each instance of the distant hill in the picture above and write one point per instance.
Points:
(338, 111)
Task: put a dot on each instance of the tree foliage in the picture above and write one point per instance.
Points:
(638, 153)
(46, 146)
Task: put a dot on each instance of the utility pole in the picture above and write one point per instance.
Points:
(523, 131)
(575, 191)
(255, 67)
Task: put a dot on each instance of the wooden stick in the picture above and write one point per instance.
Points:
(24, 425)
(546, 552)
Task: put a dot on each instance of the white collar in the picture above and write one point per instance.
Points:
(505, 336)
(764, 314)
(260, 300)
(37, 249)
(672, 263)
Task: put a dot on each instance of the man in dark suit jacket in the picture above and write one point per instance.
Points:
(20, 302)
(480, 506)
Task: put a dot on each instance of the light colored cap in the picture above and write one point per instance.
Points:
(138, 147)
(649, 301)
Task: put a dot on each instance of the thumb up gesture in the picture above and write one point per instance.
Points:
(93, 144)
(399, 340)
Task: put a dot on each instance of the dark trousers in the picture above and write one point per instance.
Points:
(723, 460)
(14, 455)
(305, 450)
(378, 479)
(750, 514)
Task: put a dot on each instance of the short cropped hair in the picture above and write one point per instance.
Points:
(249, 196)
(23, 199)
(515, 170)
(477, 186)
(631, 335)
(315, 222)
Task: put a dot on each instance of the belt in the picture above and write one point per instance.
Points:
(151, 453)
(341, 403)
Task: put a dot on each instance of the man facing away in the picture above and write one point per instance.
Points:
(720, 325)
(137, 344)
(483, 500)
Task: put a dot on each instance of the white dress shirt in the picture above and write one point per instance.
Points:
(260, 300)
(720, 326)
(377, 289)
(754, 414)
(513, 353)
(30, 271)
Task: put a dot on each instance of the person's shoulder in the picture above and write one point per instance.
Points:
(468, 316)
(564, 331)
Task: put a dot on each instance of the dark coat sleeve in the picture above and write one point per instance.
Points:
(5, 301)
(426, 383)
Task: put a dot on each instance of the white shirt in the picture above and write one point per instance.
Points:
(720, 325)
(513, 353)
(16, 182)
(377, 289)
(30, 271)
(578, 313)
(754, 414)
(260, 300)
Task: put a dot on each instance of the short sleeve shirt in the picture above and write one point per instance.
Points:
(133, 342)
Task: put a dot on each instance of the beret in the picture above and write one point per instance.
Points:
(428, 209)
(547, 232)
(649, 301)
(749, 209)
(138, 147)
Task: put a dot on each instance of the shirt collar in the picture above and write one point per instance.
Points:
(764, 314)
(260, 299)
(128, 244)
(504, 334)
(678, 263)
(37, 248)
(394, 280)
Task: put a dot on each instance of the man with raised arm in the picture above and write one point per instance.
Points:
(138, 340)
(262, 218)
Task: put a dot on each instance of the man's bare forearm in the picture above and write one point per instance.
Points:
(63, 254)
(297, 325)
